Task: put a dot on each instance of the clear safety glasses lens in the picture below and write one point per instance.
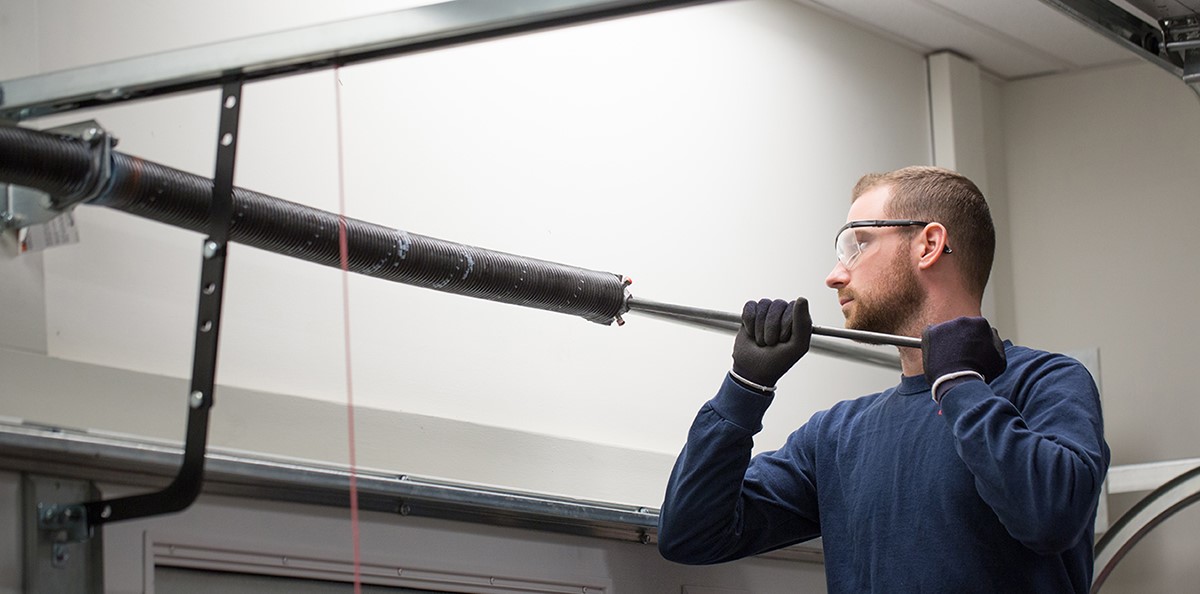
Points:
(848, 247)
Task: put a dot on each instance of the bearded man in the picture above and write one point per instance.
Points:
(980, 471)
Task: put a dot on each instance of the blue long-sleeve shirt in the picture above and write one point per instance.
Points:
(995, 490)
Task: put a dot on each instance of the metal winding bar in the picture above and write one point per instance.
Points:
(730, 323)
(685, 312)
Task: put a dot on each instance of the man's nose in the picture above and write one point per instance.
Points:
(838, 277)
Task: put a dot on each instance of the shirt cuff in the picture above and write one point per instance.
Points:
(740, 405)
(964, 397)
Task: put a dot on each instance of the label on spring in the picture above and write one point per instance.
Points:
(60, 230)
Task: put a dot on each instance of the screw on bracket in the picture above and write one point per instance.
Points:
(60, 554)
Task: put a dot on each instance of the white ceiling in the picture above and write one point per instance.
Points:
(1009, 38)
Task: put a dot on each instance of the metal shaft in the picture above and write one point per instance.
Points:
(731, 321)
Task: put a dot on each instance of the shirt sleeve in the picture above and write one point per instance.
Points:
(720, 504)
(1038, 459)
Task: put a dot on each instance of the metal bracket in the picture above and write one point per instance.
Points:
(1176, 48)
(1181, 44)
(58, 557)
(76, 521)
(71, 520)
(24, 207)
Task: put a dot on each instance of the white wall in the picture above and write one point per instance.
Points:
(1103, 203)
(994, 147)
(706, 152)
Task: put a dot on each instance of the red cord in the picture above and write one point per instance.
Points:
(344, 250)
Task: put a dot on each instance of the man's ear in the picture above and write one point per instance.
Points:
(934, 240)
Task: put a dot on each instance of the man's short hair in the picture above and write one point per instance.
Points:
(939, 195)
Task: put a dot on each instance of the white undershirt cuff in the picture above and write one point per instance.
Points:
(949, 376)
(750, 384)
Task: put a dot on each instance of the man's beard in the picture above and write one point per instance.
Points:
(896, 301)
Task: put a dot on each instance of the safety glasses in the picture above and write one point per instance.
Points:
(854, 237)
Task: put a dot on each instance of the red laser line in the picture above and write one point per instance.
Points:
(344, 252)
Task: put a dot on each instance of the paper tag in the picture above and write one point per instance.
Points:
(60, 230)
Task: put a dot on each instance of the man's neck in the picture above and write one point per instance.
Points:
(911, 361)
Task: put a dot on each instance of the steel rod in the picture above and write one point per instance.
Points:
(733, 321)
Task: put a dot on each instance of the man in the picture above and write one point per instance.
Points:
(979, 472)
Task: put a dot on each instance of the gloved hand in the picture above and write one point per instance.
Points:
(961, 348)
(774, 335)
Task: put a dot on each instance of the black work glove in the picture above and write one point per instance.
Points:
(774, 335)
(959, 350)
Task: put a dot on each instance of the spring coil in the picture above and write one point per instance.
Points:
(157, 192)
(46, 162)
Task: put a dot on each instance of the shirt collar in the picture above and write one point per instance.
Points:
(912, 384)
